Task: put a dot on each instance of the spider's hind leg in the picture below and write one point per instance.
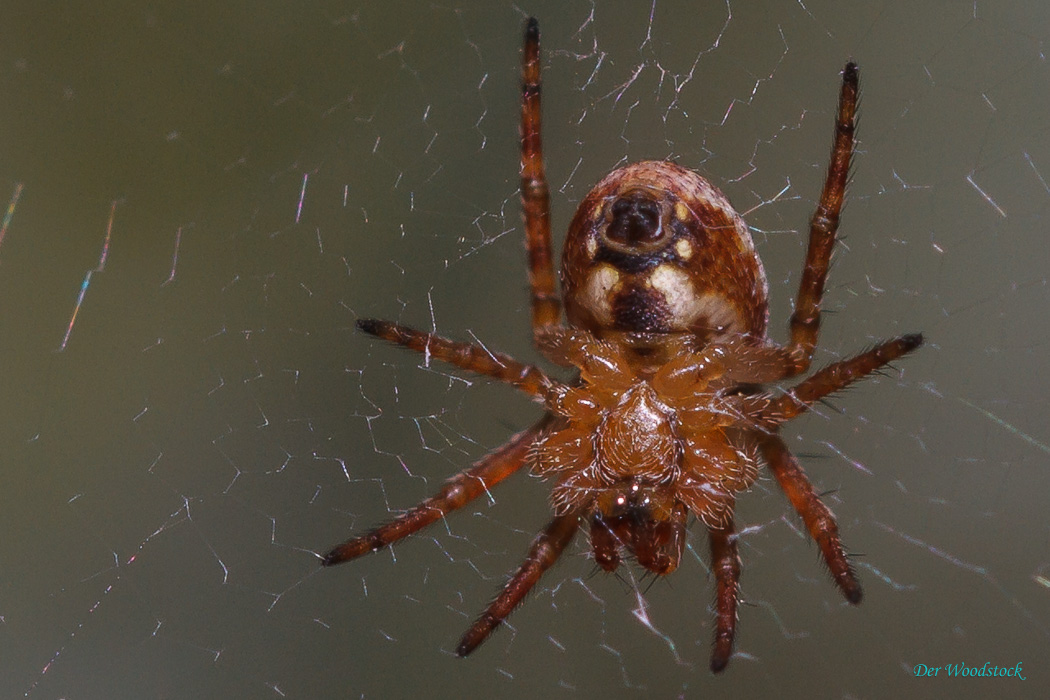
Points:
(535, 193)
(805, 321)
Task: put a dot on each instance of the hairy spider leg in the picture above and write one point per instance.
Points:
(528, 378)
(725, 563)
(535, 194)
(805, 321)
(460, 490)
(819, 519)
(835, 377)
(543, 552)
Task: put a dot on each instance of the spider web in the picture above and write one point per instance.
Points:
(202, 203)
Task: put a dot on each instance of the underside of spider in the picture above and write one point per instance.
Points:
(665, 415)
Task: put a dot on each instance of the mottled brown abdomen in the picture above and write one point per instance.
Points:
(655, 248)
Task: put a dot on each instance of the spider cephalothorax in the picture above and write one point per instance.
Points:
(636, 452)
(666, 303)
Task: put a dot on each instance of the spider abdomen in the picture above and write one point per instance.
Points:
(656, 248)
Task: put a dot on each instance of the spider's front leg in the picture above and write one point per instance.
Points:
(545, 550)
(792, 479)
(819, 520)
(725, 563)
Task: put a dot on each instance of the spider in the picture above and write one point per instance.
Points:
(666, 303)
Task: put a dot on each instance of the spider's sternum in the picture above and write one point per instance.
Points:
(635, 439)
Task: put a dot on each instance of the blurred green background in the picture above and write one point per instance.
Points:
(168, 477)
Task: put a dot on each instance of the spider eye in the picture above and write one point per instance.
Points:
(635, 221)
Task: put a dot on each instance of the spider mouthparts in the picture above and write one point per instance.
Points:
(656, 539)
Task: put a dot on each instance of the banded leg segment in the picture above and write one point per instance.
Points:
(725, 563)
(530, 379)
(819, 519)
(535, 194)
(545, 550)
(459, 491)
(805, 321)
(834, 377)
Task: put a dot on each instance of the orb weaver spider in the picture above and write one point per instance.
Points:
(667, 308)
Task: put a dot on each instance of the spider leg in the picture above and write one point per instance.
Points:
(743, 363)
(528, 378)
(545, 550)
(459, 491)
(819, 519)
(725, 563)
(833, 378)
(535, 194)
(805, 322)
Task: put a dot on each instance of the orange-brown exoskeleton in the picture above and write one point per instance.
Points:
(665, 416)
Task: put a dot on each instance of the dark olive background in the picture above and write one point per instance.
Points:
(167, 479)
